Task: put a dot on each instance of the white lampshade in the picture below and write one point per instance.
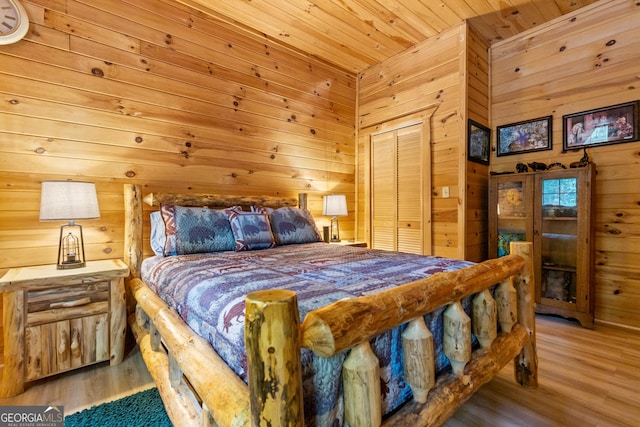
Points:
(335, 205)
(68, 200)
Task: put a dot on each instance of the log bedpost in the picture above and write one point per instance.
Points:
(132, 237)
(302, 201)
(272, 340)
(526, 363)
(133, 228)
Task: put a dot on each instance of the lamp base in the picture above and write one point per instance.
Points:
(71, 264)
(335, 230)
(71, 248)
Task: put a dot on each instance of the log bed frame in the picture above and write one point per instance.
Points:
(198, 388)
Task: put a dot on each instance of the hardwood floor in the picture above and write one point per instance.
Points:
(586, 378)
(88, 386)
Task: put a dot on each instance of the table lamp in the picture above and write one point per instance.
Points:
(335, 205)
(69, 201)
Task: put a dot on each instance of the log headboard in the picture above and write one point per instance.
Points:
(133, 200)
(222, 201)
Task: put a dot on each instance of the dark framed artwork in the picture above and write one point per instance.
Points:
(479, 140)
(602, 126)
(523, 137)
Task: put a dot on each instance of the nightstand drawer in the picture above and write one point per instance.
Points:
(67, 302)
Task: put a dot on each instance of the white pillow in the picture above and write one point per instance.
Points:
(158, 235)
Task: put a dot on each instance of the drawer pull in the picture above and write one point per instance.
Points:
(76, 303)
(76, 349)
(63, 344)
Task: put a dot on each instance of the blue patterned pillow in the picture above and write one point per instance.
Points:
(292, 225)
(191, 230)
(251, 230)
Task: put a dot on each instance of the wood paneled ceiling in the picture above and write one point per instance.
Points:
(354, 34)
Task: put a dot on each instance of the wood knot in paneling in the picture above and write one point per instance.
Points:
(612, 230)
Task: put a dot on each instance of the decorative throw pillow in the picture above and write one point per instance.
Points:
(168, 217)
(251, 230)
(191, 230)
(292, 225)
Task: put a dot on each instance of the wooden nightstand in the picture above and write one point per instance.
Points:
(350, 243)
(59, 320)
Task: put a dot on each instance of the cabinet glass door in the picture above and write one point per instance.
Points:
(511, 198)
(558, 239)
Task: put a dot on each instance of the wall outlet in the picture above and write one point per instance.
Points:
(445, 192)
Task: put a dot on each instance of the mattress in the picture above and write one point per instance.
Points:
(208, 291)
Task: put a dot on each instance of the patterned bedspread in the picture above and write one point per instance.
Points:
(208, 291)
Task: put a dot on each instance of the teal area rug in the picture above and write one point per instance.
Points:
(138, 410)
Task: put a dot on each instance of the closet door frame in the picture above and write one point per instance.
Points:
(423, 118)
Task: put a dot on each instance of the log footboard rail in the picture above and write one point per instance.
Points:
(274, 337)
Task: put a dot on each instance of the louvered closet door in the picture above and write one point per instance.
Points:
(383, 191)
(397, 190)
(409, 189)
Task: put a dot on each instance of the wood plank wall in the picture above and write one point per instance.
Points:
(426, 75)
(154, 93)
(450, 72)
(476, 179)
(589, 59)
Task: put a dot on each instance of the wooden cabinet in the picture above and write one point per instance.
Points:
(58, 320)
(554, 210)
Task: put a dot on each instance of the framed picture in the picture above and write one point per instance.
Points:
(523, 137)
(602, 126)
(479, 140)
